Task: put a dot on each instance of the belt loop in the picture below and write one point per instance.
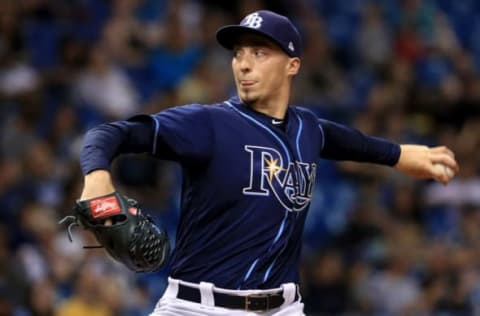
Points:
(172, 288)
(289, 290)
(206, 294)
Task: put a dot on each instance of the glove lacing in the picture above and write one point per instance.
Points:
(74, 222)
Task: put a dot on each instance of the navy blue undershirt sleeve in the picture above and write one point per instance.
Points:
(183, 134)
(345, 143)
(106, 141)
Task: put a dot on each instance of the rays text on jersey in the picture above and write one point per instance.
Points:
(291, 183)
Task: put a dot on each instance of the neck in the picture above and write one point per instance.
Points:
(274, 110)
(275, 106)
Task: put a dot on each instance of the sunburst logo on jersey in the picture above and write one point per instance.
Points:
(272, 167)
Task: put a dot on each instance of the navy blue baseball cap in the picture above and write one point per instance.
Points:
(276, 27)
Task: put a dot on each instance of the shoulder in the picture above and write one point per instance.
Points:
(305, 114)
(308, 114)
(212, 110)
(191, 115)
(189, 110)
(304, 111)
(310, 118)
(197, 107)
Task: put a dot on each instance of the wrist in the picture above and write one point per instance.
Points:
(97, 183)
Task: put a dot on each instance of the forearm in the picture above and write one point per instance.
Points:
(345, 143)
(103, 143)
(100, 147)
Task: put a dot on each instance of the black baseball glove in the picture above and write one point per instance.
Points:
(131, 237)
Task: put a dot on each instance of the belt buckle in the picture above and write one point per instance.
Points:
(249, 302)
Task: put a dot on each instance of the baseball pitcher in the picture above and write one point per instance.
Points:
(249, 166)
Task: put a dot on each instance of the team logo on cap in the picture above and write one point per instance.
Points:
(253, 20)
(291, 47)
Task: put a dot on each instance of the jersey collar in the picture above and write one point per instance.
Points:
(264, 118)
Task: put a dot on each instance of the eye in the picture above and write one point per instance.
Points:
(260, 52)
(236, 53)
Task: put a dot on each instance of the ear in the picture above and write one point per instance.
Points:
(293, 66)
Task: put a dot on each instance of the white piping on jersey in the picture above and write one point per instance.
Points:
(279, 233)
(260, 124)
(247, 275)
(282, 225)
(298, 136)
(323, 135)
(267, 274)
(157, 126)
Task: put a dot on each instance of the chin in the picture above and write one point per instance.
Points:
(247, 98)
(248, 101)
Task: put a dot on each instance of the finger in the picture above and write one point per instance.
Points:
(442, 177)
(439, 174)
(442, 150)
(446, 160)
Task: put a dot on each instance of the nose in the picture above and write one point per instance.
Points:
(245, 63)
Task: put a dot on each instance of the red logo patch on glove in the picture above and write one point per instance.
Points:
(104, 206)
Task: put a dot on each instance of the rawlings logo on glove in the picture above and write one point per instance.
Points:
(104, 206)
(132, 238)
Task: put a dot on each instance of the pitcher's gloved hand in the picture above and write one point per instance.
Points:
(120, 227)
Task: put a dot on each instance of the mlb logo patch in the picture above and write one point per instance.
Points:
(104, 206)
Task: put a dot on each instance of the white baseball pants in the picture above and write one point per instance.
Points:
(170, 305)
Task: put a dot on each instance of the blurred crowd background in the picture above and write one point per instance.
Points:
(376, 242)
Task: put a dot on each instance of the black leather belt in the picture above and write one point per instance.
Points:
(250, 302)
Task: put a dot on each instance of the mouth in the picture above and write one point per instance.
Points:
(247, 83)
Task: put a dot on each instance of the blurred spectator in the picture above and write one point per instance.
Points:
(20, 126)
(179, 52)
(327, 287)
(16, 77)
(373, 39)
(86, 297)
(105, 87)
(42, 298)
(393, 291)
(124, 36)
